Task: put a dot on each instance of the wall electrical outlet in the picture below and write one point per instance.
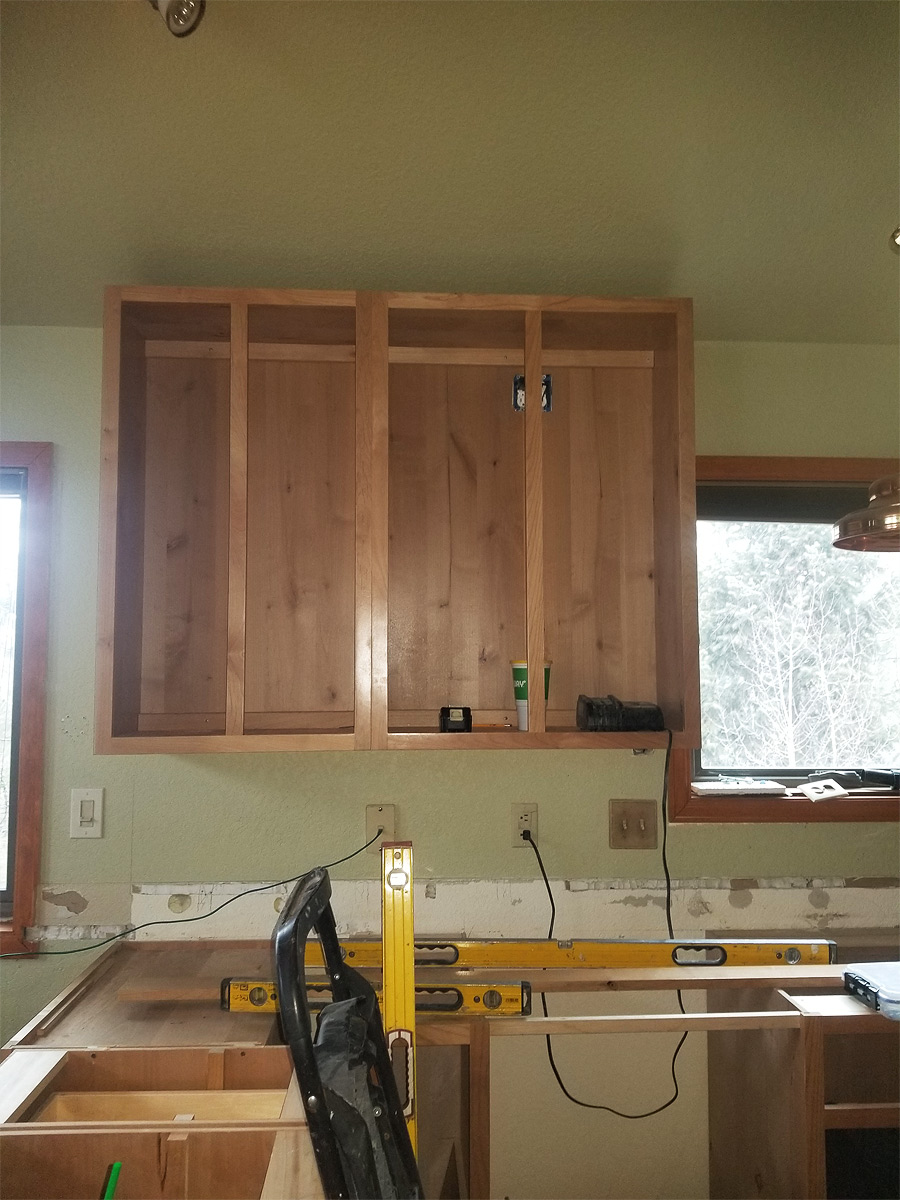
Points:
(632, 825)
(524, 816)
(86, 813)
(380, 816)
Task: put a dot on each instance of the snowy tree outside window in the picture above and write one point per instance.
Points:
(799, 650)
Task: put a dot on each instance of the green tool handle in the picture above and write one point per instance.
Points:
(112, 1178)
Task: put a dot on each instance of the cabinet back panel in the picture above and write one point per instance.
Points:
(129, 575)
(599, 590)
(301, 324)
(461, 328)
(608, 330)
(185, 561)
(301, 540)
(172, 321)
(456, 602)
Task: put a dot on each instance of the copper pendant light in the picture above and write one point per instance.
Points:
(876, 527)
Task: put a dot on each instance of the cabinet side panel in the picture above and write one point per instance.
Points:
(230, 1164)
(186, 539)
(598, 544)
(126, 688)
(301, 541)
(456, 568)
(755, 1103)
(675, 526)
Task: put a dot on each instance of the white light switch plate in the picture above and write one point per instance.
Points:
(86, 813)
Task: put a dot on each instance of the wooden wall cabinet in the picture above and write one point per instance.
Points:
(323, 518)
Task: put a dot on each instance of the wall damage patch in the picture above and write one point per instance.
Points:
(73, 902)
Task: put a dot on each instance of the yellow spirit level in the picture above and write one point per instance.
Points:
(398, 1004)
(457, 999)
(540, 954)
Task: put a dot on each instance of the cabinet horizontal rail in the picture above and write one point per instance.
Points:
(200, 723)
(644, 1023)
(882, 1115)
(475, 356)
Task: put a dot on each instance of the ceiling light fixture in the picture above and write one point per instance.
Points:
(181, 16)
(895, 238)
(876, 527)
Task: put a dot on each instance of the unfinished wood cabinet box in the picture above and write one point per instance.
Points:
(186, 1124)
(324, 518)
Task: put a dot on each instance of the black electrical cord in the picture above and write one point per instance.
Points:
(584, 1103)
(184, 920)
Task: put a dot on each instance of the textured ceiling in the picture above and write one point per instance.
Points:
(743, 153)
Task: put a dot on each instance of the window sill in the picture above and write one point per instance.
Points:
(11, 942)
(684, 806)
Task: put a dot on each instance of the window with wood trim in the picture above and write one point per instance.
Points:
(802, 676)
(25, 493)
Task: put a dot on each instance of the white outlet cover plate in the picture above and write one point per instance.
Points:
(382, 815)
(523, 816)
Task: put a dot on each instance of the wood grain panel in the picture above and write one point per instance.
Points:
(479, 1110)
(755, 1128)
(292, 1170)
(122, 514)
(674, 499)
(185, 561)
(264, 350)
(301, 539)
(460, 355)
(202, 1165)
(599, 587)
(237, 525)
(740, 469)
(488, 302)
(258, 1104)
(456, 538)
(535, 520)
(371, 520)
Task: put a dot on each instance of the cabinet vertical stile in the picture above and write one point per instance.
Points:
(237, 523)
(371, 519)
(535, 422)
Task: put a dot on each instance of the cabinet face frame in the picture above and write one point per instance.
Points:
(674, 570)
(115, 576)
(674, 567)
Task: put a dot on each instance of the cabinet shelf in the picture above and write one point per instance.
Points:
(323, 518)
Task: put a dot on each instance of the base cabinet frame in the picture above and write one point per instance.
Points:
(790, 1057)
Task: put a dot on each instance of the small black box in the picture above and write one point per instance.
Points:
(456, 720)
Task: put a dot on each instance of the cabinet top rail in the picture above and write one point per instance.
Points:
(474, 301)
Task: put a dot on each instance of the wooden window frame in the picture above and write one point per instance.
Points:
(37, 459)
(684, 805)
